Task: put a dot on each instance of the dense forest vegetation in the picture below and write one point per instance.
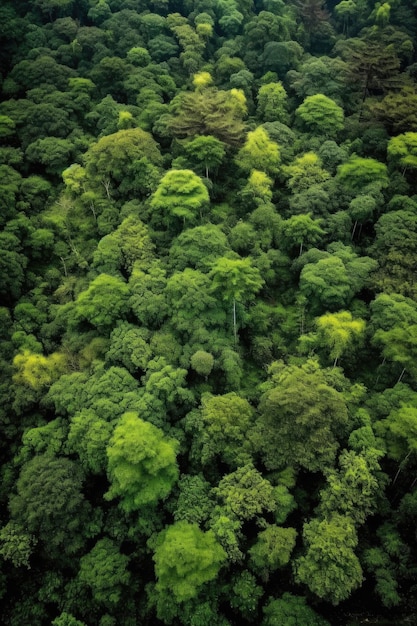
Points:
(208, 280)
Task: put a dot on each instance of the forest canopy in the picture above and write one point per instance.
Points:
(208, 305)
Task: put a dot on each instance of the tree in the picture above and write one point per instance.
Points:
(223, 427)
(206, 153)
(272, 550)
(38, 371)
(330, 568)
(129, 347)
(305, 172)
(235, 280)
(182, 195)
(353, 490)
(272, 103)
(302, 229)
(290, 610)
(104, 571)
(331, 281)
(198, 247)
(191, 301)
(302, 417)
(202, 362)
(359, 172)
(321, 115)
(88, 437)
(259, 152)
(16, 544)
(394, 318)
(185, 558)
(104, 302)
(142, 466)
(372, 66)
(54, 153)
(49, 503)
(210, 112)
(245, 494)
(402, 149)
(395, 249)
(338, 332)
(397, 111)
(114, 160)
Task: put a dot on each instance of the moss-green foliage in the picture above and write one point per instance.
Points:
(208, 322)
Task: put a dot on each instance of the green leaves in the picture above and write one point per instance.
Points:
(186, 558)
(104, 571)
(180, 194)
(142, 465)
(321, 115)
(330, 568)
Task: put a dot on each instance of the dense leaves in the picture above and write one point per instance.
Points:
(208, 323)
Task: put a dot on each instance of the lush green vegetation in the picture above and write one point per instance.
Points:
(209, 312)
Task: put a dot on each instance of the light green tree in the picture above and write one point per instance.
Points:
(142, 466)
(235, 280)
(321, 115)
(259, 152)
(185, 558)
(182, 195)
(339, 332)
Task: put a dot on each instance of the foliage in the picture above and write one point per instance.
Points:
(142, 464)
(186, 558)
(207, 210)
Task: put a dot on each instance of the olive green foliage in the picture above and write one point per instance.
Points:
(302, 416)
(208, 313)
(330, 567)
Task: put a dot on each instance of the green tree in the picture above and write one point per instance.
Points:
(223, 428)
(394, 321)
(272, 550)
(206, 153)
(38, 371)
(180, 194)
(354, 488)
(210, 112)
(259, 152)
(105, 301)
(186, 558)
(88, 438)
(104, 571)
(358, 173)
(198, 247)
(330, 568)
(333, 279)
(302, 416)
(116, 160)
(272, 103)
(50, 505)
(142, 466)
(339, 332)
(245, 494)
(235, 280)
(402, 149)
(305, 172)
(301, 230)
(395, 249)
(321, 115)
(290, 610)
